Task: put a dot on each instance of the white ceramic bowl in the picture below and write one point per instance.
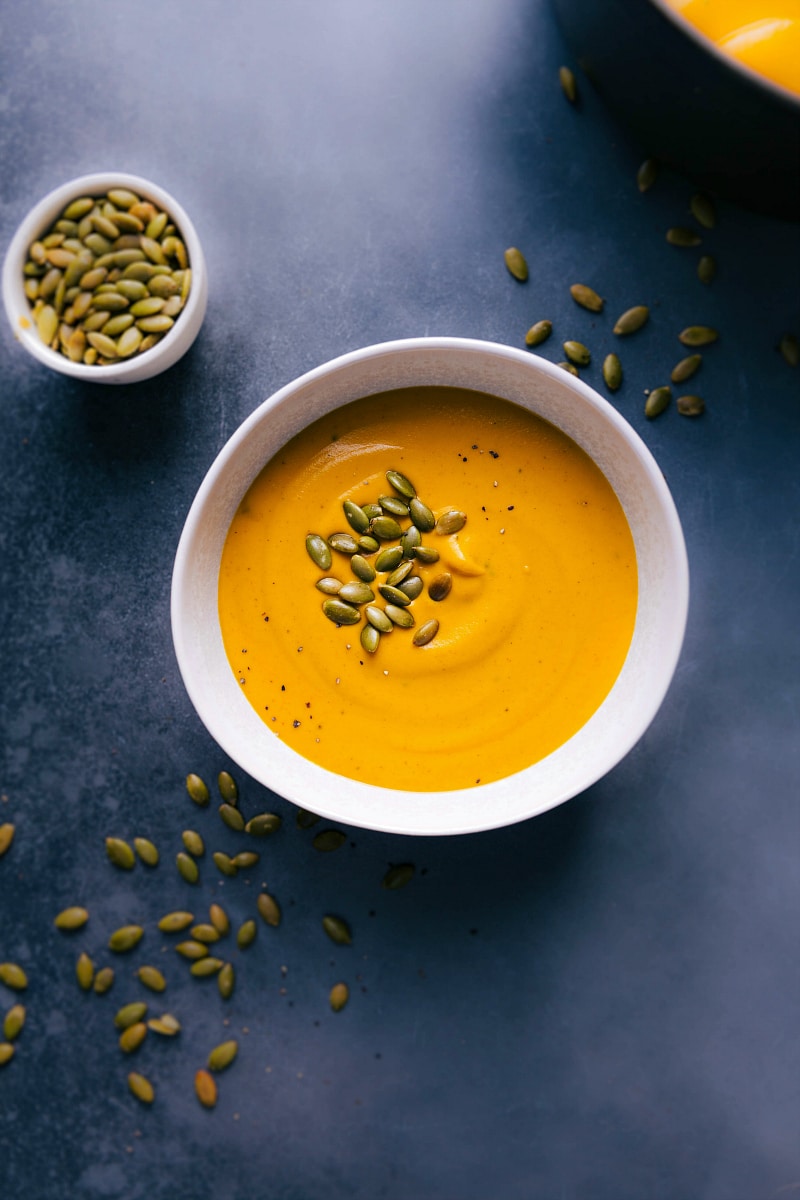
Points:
(151, 362)
(526, 380)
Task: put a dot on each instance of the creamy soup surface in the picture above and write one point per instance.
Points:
(532, 634)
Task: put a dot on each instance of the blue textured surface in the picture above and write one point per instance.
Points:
(599, 1003)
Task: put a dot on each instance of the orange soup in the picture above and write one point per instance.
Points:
(532, 597)
(761, 34)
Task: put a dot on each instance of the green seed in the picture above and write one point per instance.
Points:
(193, 843)
(268, 909)
(205, 1088)
(647, 174)
(690, 406)
(378, 620)
(319, 551)
(204, 968)
(451, 521)
(568, 367)
(372, 510)
(368, 543)
(698, 335)
(426, 633)
(686, 368)
(421, 515)
(357, 519)
(361, 568)
(329, 585)
(577, 353)
(174, 922)
(263, 824)
(6, 836)
(398, 876)
(84, 972)
(246, 934)
(131, 1038)
(79, 208)
(166, 1025)
(130, 1014)
(339, 612)
(706, 269)
(394, 595)
(394, 505)
(790, 350)
(399, 616)
(226, 980)
(337, 930)
(223, 1055)
(103, 980)
(305, 819)
(612, 372)
(125, 938)
(191, 950)
(120, 853)
(587, 297)
(13, 1022)
(187, 867)
(197, 790)
(440, 587)
(386, 528)
(657, 401)
(409, 542)
(356, 592)
(538, 333)
(232, 817)
(146, 850)
(344, 543)
(6, 1053)
(329, 839)
(224, 863)
(389, 559)
(370, 638)
(245, 860)
(516, 264)
(141, 1087)
(228, 788)
(71, 918)
(703, 210)
(632, 319)
(338, 997)
(412, 587)
(400, 573)
(569, 87)
(219, 919)
(401, 484)
(678, 236)
(152, 978)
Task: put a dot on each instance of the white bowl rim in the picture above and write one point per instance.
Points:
(352, 802)
(171, 347)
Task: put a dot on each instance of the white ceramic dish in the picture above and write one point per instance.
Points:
(546, 390)
(140, 366)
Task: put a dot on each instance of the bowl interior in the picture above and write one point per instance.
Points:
(536, 385)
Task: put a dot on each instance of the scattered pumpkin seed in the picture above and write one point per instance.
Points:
(657, 402)
(206, 933)
(141, 1087)
(399, 616)
(790, 351)
(103, 980)
(398, 876)
(337, 930)
(356, 592)
(13, 1022)
(568, 367)
(268, 909)
(329, 585)
(440, 587)
(263, 824)
(226, 980)
(421, 515)
(516, 264)
(409, 542)
(538, 333)
(71, 918)
(684, 369)
(390, 558)
(305, 819)
(192, 950)
(340, 612)
(246, 934)
(587, 297)
(690, 406)
(577, 353)
(344, 543)
(707, 269)
(7, 831)
(647, 174)
(84, 971)
(360, 567)
(569, 86)
(632, 319)
(698, 335)
(147, 852)
(130, 1014)
(187, 867)
(370, 638)
(228, 788)
(386, 528)
(451, 521)
(120, 853)
(125, 938)
(329, 839)
(205, 1088)
(193, 843)
(223, 1055)
(377, 618)
(401, 484)
(612, 372)
(703, 210)
(412, 587)
(219, 919)
(338, 997)
(6, 1053)
(394, 595)
(197, 789)
(426, 633)
(393, 505)
(152, 978)
(174, 922)
(679, 236)
(131, 1038)
(224, 863)
(204, 968)
(231, 816)
(166, 1025)
(357, 519)
(319, 551)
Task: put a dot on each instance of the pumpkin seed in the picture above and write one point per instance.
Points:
(409, 542)
(329, 839)
(344, 543)
(224, 863)
(587, 297)
(356, 592)
(146, 850)
(130, 1014)
(569, 86)
(193, 843)
(568, 367)
(360, 567)
(399, 616)
(390, 558)
(400, 573)
(204, 968)
(197, 789)
(305, 819)
(337, 930)
(228, 788)
(394, 595)
(657, 402)
(426, 554)
(440, 587)
(226, 980)
(166, 1025)
(612, 372)
(338, 996)
(120, 853)
(703, 210)
(790, 351)
(268, 909)
(7, 1052)
(398, 876)
(372, 510)
(152, 978)
(451, 521)
(187, 867)
(516, 264)
(686, 368)
(421, 515)
(192, 950)
(577, 353)
(141, 1087)
(231, 817)
(394, 505)
(84, 972)
(370, 638)
(679, 236)
(319, 551)
(205, 1088)
(13, 1022)
(103, 980)
(263, 824)
(690, 406)
(71, 918)
(174, 922)
(401, 484)
(223, 1055)
(246, 934)
(329, 585)
(412, 587)
(368, 543)
(378, 620)
(131, 1038)
(647, 174)
(125, 938)
(386, 528)
(706, 269)
(356, 517)
(538, 333)
(339, 612)
(426, 633)
(7, 832)
(698, 335)
(245, 860)
(632, 319)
